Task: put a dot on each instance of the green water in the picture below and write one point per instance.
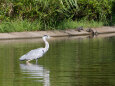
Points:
(69, 62)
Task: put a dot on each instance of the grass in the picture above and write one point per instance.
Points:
(25, 25)
(19, 26)
(76, 24)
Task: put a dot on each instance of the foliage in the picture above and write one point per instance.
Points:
(25, 25)
(19, 25)
(69, 24)
(55, 10)
(113, 13)
(51, 13)
(94, 9)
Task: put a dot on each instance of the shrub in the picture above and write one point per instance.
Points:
(113, 12)
(94, 9)
(52, 12)
(56, 9)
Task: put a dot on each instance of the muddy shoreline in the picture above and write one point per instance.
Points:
(55, 33)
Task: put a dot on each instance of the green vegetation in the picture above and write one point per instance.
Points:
(19, 25)
(75, 24)
(25, 25)
(113, 13)
(29, 15)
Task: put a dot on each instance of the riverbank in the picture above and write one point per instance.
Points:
(54, 33)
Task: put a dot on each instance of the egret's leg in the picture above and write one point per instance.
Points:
(36, 61)
(28, 61)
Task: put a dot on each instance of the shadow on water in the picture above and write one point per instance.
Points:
(36, 72)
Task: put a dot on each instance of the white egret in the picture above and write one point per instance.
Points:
(36, 53)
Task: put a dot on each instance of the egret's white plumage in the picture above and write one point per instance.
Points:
(36, 53)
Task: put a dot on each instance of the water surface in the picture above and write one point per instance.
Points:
(69, 62)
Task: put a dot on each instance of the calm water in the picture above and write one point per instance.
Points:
(69, 62)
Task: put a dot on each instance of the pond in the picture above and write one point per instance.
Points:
(69, 62)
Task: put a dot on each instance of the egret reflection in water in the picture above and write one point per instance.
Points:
(36, 72)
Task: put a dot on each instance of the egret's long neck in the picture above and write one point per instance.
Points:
(46, 44)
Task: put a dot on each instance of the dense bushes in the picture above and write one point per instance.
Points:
(56, 9)
(52, 12)
(95, 9)
(113, 13)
